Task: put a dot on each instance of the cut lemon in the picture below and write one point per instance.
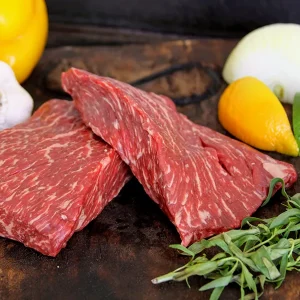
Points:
(250, 111)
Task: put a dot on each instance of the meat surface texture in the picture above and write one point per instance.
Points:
(205, 182)
(55, 177)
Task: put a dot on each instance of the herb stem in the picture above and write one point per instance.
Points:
(292, 247)
(263, 243)
(262, 251)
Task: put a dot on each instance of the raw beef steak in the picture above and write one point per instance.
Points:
(204, 181)
(55, 177)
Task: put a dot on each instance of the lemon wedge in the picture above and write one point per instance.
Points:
(271, 54)
(252, 113)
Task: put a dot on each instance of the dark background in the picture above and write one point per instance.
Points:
(192, 17)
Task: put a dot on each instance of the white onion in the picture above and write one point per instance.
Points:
(271, 54)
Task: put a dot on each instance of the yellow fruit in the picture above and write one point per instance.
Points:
(250, 111)
(23, 34)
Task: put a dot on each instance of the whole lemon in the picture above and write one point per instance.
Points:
(23, 34)
(251, 112)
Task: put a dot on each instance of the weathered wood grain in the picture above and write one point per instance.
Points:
(117, 255)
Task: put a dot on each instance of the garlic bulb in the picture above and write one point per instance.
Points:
(15, 102)
(271, 54)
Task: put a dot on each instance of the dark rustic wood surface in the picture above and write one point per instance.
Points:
(62, 34)
(117, 254)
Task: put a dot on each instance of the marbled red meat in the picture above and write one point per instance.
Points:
(55, 177)
(204, 181)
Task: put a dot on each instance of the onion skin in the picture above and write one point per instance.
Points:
(271, 54)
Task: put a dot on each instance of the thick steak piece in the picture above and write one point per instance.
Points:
(204, 181)
(55, 177)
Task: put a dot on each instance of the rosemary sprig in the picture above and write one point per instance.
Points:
(262, 251)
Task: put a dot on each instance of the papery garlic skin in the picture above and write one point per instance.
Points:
(16, 104)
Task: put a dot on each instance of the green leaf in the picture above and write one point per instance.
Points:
(246, 239)
(273, 271)
(199, 259)
(280, 249)
(197, 269)
(240, 254)
(277, 253)
(283, 243)
(249, 280)
(249, 245)
(287, 230)
(296, 200)
(198, 247)
(236, 234)
(283, 218)
(215, 295)
(250, 220)
(183, 249)
(296, 197)
(221, 244)
(295, 227)
(296, 118)
(222, 281)
(274, 181)
(264, 263)
(226, 238)
(262, 280)
(219, 256)
(250, 296)
(283, 267)
(259, 250)
(264, 229)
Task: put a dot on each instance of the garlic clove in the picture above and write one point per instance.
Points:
(16, 104)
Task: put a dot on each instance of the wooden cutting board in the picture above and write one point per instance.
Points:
(117, 255)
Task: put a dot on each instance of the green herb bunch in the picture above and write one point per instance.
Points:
(262, 251)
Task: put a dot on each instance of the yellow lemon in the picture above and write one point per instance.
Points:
(251, 112)
(23, 34)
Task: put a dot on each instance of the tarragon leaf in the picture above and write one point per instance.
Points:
(250, 220)
(264, 263)
(249, 245)
(198, 247)
(249, 280)
(219, 256)
(283, 218)
(241, 255)
(236, 234)
(183, 249)
(280, 249)
(198, 269)
(296, 200)
(221, 244)
(274, 181)
(273, 271)
(215, 295)
(283, 267)
(249, 256)
(247, 238)
(219, 282)
(295, 227)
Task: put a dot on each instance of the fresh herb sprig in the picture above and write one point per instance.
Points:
(262, 251)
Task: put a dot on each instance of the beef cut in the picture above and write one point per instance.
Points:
(204, 181)
(55, 177)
